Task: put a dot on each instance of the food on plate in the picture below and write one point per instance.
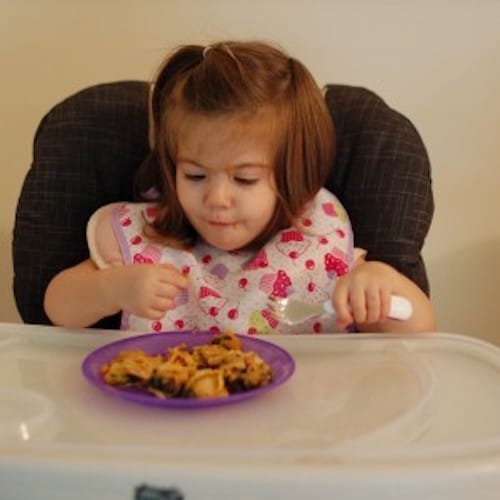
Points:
(130, 366)
(212, 370)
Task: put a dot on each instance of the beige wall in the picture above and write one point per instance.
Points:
(436, 61)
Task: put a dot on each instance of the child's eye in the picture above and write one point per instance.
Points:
(246, 181)
(194, 177)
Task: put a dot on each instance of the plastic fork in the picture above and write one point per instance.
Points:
(292, 311)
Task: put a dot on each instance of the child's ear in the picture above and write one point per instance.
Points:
(359, 255)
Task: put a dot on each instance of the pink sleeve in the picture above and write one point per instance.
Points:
(103, 245)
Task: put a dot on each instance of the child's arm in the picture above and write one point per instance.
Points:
(362, 296)
(82, 295)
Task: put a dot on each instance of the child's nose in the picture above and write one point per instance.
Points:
(218, 194)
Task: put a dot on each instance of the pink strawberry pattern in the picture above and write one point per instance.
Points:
(281, 284)
(335, 265)
(141, 259)
(150, 254)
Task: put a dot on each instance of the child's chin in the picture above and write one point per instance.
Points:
(227, 246)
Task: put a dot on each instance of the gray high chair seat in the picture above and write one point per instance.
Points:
(88, 147)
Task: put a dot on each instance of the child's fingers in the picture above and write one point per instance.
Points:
(160, 308)
(385, 304)
(154, 310)
(173, 276)
(373, 307)
(358, 305)
(341, 305)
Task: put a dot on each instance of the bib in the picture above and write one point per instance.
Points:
(228, 290)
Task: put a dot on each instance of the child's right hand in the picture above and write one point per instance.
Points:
(363, 297)
(146, 290)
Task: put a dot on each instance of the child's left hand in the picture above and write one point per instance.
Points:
(363, 295)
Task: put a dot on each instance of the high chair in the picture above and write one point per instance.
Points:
(87, 148)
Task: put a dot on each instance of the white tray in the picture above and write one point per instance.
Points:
(425, 407)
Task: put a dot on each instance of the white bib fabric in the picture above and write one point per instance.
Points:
(228, 290)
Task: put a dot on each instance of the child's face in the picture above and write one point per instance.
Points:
(224, 178)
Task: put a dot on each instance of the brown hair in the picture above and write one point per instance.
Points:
(238, 79)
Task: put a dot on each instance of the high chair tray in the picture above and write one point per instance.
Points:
(424, 407)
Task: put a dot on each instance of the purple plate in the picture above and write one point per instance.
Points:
(280, 361)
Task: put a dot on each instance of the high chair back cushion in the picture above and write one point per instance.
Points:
(88, 147)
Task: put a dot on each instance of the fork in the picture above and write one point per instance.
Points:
(291, 311)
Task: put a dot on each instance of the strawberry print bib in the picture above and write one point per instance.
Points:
(229, 290)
